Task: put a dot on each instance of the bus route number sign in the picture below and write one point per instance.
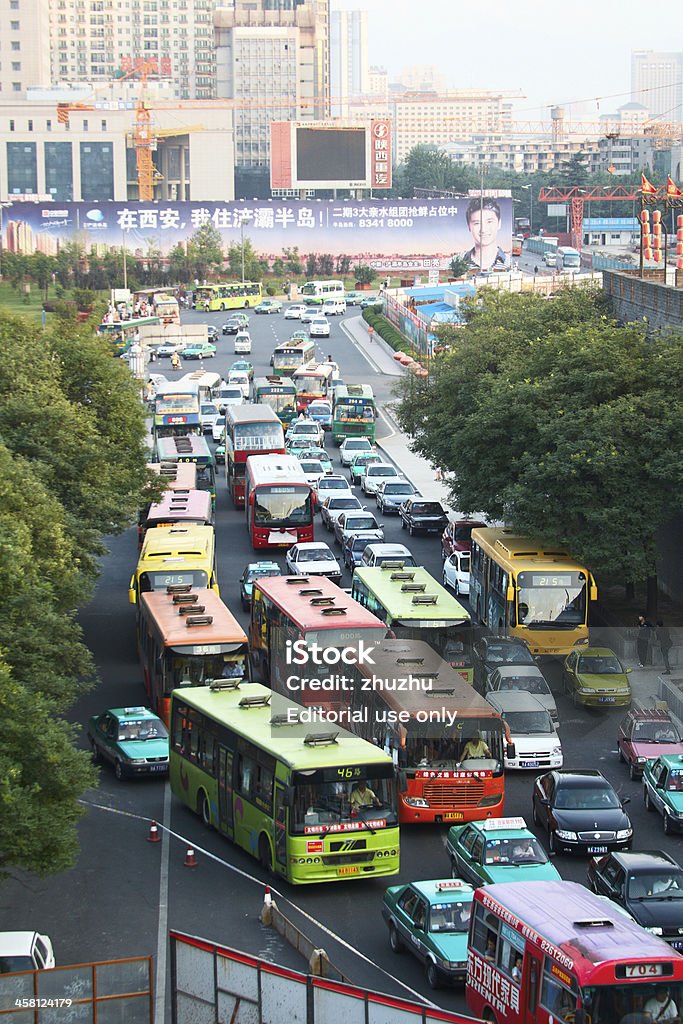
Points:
(643, 970)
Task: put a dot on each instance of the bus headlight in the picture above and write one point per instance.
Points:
(415, 801)
(562, 833)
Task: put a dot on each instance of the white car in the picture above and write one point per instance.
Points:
(241, 379)
(376, 474)
(313, 470)
(528, 678)
(242, 342)
(350, 447)
(313, 558)
(294, 312)
(332, 485)
(230, 394)
(309, 313)
(532, 731)
(333, 506)
(25, 951)
(320, 327)
(208, 414)
(308, 429)
(334, 307)
(550, 259)
(218, 429)
(456, 572)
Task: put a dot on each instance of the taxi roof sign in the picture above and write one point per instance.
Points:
(454, 883)
(497, 824)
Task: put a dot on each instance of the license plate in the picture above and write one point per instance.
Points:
(352, 869)
(677, 945)
(607, 700)
(159, 768)
(529, 764)
(454, 815)
(597, 849)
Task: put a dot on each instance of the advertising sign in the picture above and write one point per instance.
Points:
(414, 236)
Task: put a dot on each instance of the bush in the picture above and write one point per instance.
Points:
(386, 330)
(271, 289)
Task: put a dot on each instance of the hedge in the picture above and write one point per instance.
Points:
(386, 330)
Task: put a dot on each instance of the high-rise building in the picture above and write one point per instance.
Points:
(436, 119)
(349, 70)
(24, 47)
(657, 83)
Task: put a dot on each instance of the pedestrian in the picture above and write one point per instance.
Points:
(643, 639)
(536, 269)
(663, 637)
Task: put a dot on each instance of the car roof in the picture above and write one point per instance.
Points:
(671, 760)
(634, 859)
(313, 545)
(389, 549)
(650, 715)
(504, 641)
(385, 465)
(444, 890)
(514, 700)
(16, 943)
(264, 564)
(502, 828)
(597, 652)
(518, 670)
(579, 777)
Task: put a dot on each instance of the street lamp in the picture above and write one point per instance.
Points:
(530, 187)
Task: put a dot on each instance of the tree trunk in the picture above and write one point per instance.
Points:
(630, 590)
(651, 599)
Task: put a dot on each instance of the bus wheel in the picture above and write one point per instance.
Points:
(222, 307)
(433, 978)
(489, 1016)
(204, 810)
(246, 304)
(264, 855)
(395, 939)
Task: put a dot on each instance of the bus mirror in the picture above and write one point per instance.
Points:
(511, 752)
(132, 597)
(510, 593)
(593, 592)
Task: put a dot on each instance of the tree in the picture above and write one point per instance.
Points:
(560, 422)
(458, 266)
(293, 263)
(325, 265)
(205, 249)
(41, 268)
(363, 273)
(343, 265)
(426, 166)
(180, 265)
(311, 265)
(254, 268)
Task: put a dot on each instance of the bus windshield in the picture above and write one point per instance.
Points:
(253, 435)
(282, 506)
(343, 799)
(427, 746)
(551, 601)
(640, 1000)
(199, 669)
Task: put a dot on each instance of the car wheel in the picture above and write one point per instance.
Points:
(668, 824)
(433, 979)
(454, 868)
(403, 524)
(205, 810)
(411, 530)
(118, 769)
(395, 939)
(646, 798)
(445, 581)
(552, 842)
(456, 588)
(245, 606)
(94, 750)
(621, 754)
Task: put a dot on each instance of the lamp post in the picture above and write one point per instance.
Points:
(530, 187)
(244, 217)
(125, 262)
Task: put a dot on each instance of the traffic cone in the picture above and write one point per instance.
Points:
(154, 836)
(190, 859)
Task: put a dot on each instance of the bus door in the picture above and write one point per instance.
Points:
(280, 818)
(532, 980)
(225, 815)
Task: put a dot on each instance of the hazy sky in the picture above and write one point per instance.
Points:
(575, 52)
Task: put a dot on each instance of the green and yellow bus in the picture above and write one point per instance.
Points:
(122, 333)
(190, 448)
(289, 356)
(353, 412)
(285, 791)
(523, 588)
(279, 393)
(415, 607)
(231, 295)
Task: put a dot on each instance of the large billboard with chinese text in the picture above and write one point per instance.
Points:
(330, 154)
(389, 235)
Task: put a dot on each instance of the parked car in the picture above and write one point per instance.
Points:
(333, 506)
(208, 414)
(332, 486)
(352, 446)
(235, 323)
(431, 920)
(456, 572)
(526, 678)
(242, 342)
(199, 350)
(241, 379)
(354, 547)
(646, 733)
(245, 366)
(580, 812)
(381, 554)
(532, 730)
(490, 652)
(418, 515)
(594, 677)
(25, 951)
(392, 492)
(218, 429)
(230, 394)
(313, 558)
(357, 522)
(649, 885)
(376, 474)
(133, 740)
(320, 327)
(268, 306)
(498, 850)
(663, 790)
(252, 572)
(294, 312)
(458, 535)
(360, 463)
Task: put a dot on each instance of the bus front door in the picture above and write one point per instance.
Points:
(225, 815)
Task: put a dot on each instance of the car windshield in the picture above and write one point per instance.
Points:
(253, 573)
(360, 523)
(316, 555)
(382, 471)
(398, 489)
(359, 543)
(526, 723)
(599, 665)
(585, 798)
(427, 508)
(16, 964)
(344, 503)
(334, 485)
(311, 467)
(656, 732)
(527, 683)
(357, 446)
(509, 654)
(145, 729)
(523, 850)
(667, 885)
(320, 407)
(449, 917)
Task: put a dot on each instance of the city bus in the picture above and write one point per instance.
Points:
(176, 557)
(279, 393)
(305, 609)
(520, 587)
(177, 507)
(315, 380)
(176, 410)
(165, 306)
(186, 637)
(251, 429)
(281, 789)
(353, 412)
(231, 295)
(568, 258)
(206, 383)
(289, 356)
(192, 448)
(315, 292)
(122, 333)
(415, 706)
(175, 477)
(517, 245)
(546, 952)
(416, 607)
(280, 504)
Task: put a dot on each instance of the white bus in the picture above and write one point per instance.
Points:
(315, 292)
(568, 258)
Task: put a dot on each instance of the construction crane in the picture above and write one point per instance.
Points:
(577, 197)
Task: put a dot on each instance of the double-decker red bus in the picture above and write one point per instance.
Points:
(249, 430)
(294, 619)
(315, 380)
(186, 638)
(279, 502)
(413, 703)
(177, 508)
(547, 952)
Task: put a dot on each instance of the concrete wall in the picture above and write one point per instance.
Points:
(636, 299)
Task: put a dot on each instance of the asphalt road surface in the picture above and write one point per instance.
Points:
(124, 893)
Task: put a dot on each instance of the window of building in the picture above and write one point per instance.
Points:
(16, 65)
(103, 126)
(14, 5)
(14, 26)
(16, 86)
(97, 171)
(30, 125)
(11, 125)
(16, 45)
(22, 169)
(59, 171)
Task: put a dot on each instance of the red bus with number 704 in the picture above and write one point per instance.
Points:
(548, 952)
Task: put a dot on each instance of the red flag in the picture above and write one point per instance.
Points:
(646, 187)
(672, 189)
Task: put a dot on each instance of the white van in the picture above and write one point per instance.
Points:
(242, 342)
(334, 307)
(532, 730)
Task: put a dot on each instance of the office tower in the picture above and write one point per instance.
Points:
(657, 83)
(349, 71)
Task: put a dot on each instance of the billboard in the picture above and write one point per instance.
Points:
(401, 235)
(330, 154)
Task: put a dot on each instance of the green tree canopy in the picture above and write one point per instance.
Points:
(205, 249)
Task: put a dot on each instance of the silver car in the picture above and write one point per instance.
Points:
(349, 523)
(333, 506)
(527, 678)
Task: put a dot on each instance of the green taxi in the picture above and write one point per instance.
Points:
(663, 790)
(133, 740)
(299, 336)
(498, 850)
(244, 366)
(431, 920)
(594, 677)
(360, 463)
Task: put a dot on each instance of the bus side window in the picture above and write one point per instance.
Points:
(245, 776)
(485, 933)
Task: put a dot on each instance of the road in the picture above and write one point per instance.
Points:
(124, 893)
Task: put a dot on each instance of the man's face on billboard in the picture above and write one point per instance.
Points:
(484, 225)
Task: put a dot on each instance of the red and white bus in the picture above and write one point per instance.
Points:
(279, 502)
(313, 381)
(249, 430)
(414, 704)
(547, 952)
(177, 508)
(292, 618)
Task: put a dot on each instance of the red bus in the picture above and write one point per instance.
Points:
(177, 507)
(293, 618)
(315, 380)
(186, 638)
(517, 244)
(547, 952)
(280, 504)
(249, 430)
(414, 704)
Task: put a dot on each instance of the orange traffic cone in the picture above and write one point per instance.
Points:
(190, 859)
(154, 836)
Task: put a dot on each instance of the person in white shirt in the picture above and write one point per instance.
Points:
(662, 1007)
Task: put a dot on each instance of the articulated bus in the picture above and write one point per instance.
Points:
(177, 508)
(306, 609)
(251, 429)
(289, 356)
(280, 789)
(315, 380)
(416, 607)
(520, 587)
(279, 393)
(279, 502)
(122, 333)
(195, 449)
(411, 703)
(233, 295)
(186, 637)
(353, 412)
(314, 293)
(179, 556)
(176, 410)
(547, 952)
